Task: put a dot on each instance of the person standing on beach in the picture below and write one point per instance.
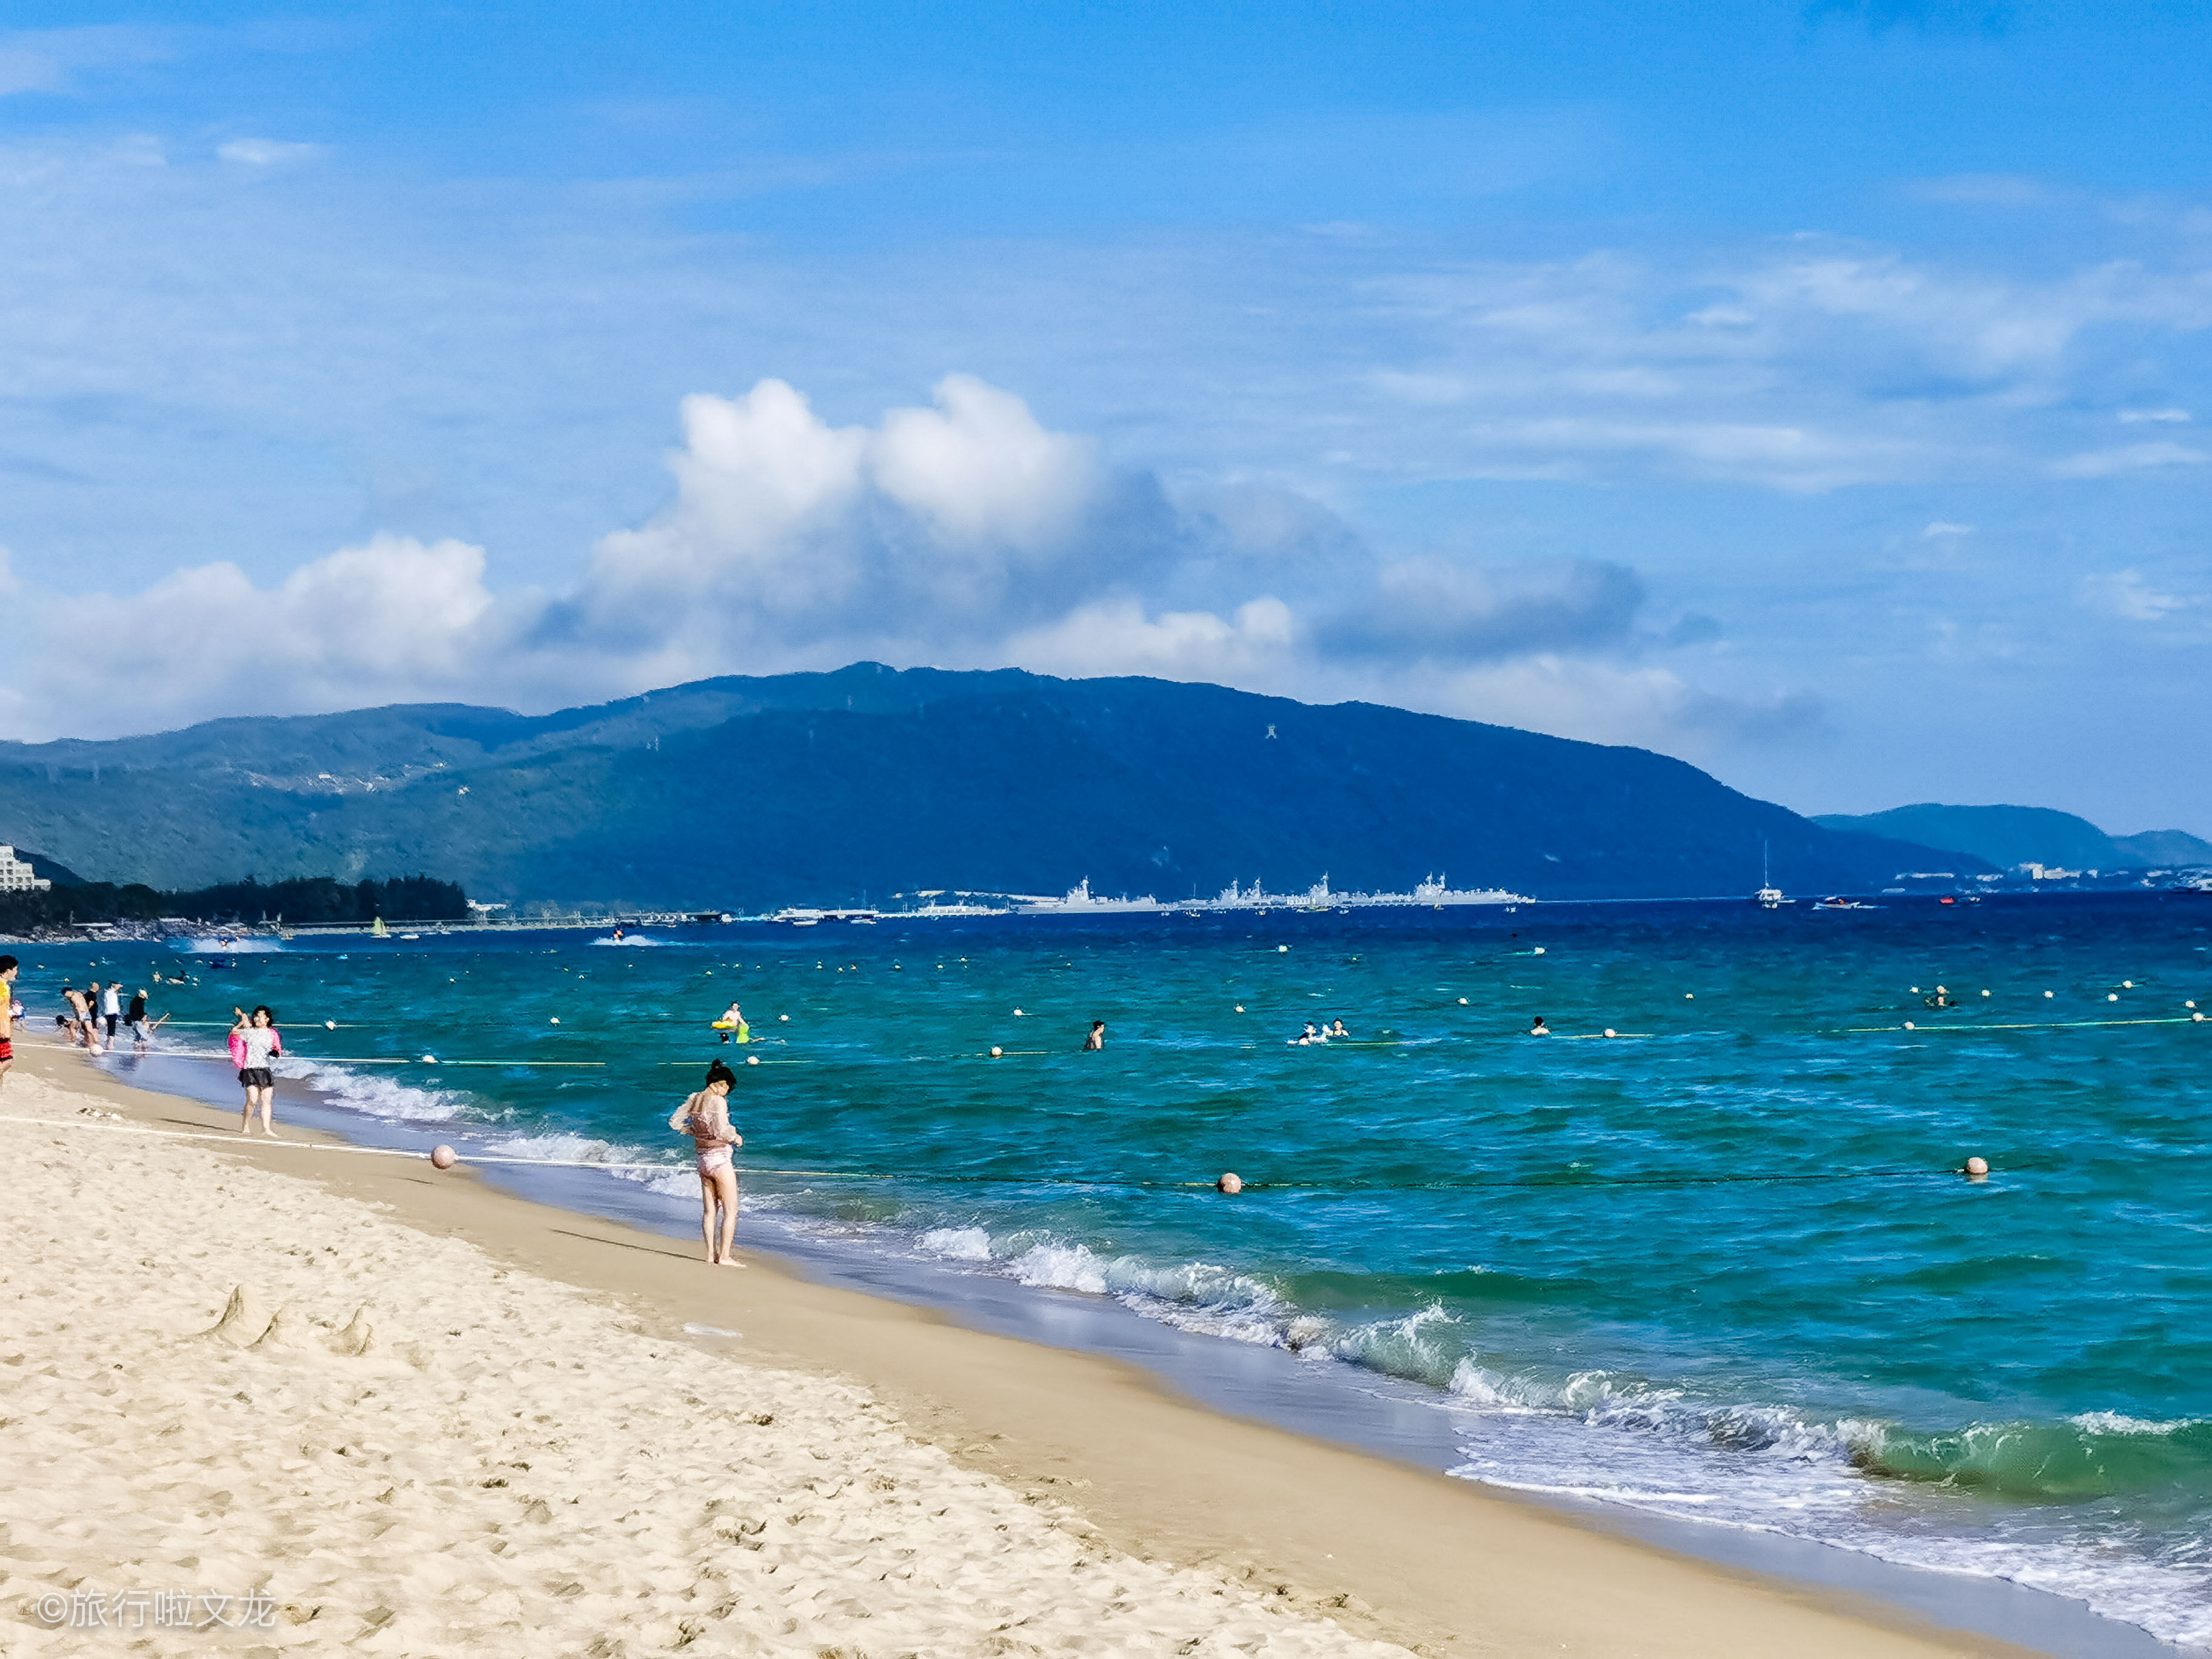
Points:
(9, 969)
(705, 1117)
(254, 1044)
(111, 1007)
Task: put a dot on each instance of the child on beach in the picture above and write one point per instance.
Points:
(705, 1117)
(254, 1044)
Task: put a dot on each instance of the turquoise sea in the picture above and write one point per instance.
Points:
(1717, 1266)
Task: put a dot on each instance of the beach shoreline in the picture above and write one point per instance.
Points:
(1391, 1553)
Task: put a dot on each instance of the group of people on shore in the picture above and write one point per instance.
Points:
(97, 1009)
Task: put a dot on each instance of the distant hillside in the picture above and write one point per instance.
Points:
(757, 792)
(2008, 836)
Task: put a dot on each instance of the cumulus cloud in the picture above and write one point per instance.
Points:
(964, 532)
(392, 618)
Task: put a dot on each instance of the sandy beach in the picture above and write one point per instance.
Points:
(264, 1397)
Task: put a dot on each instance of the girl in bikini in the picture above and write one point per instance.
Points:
(705, 1117)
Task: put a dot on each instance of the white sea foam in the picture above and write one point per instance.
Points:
(2117, 1423)
(374, 1093)
(957, 1243)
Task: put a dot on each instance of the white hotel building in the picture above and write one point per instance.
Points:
(15, 876)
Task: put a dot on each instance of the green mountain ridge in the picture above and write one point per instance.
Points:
(745, 792)
(2010, 836)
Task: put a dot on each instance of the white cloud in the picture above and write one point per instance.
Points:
(265, 152)
(2171, 417)
(2132, 458)
(2126, 594)
(390, 619)
(1940, 530)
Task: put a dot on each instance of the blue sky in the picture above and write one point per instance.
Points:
(1819, 393)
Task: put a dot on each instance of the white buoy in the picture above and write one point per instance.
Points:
(1233, 1183)
(2047, 995)
(1608, 1030)
(1240, 1008)
(1977, 1168)
(1689, 996)
(1462, 1002)
(2127, 985)
(1539, 951)
(752, 1059)
(1018, 1013)
(2198, 1018)
(2191, 1003)
(1985, 994)
(996, 1051)
(329, 1025)
(429, 1060)
(1282, 950)
(2111, 996)
(1908, 1024)
(442, 1157)
(784, 1018)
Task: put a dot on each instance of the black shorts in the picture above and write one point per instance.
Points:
(257, 1077)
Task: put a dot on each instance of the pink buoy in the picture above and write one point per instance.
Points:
(1233, 1183)
(444, 1157)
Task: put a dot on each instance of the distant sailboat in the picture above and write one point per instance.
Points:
(1769, 896)
(378, 930)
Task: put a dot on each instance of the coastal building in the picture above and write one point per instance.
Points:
(16, 877)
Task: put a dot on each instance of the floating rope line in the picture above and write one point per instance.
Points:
(362, 1060)
(1915, 1027)
(1118, 1182)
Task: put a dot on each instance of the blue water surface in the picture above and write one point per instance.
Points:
(1719, 1265)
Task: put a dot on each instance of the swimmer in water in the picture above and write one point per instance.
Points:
(1336, 1029)
(1540, 1029)
(732, 1024)
(1096, 1038)
(705, 1117)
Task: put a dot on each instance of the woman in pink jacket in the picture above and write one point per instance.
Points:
(253, 1045)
